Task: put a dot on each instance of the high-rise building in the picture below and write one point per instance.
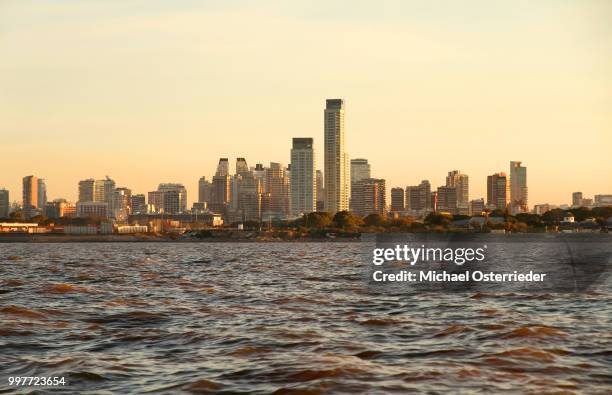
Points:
(460, 181)
(4, 203)
(398, 201)
(577, 199)
(303, 177)
(497, 191)
(92, 209)
(104, 191)
(138, 204)
(320, 191)
(250, 197)
(30, 197)
(477, 206)
(221, 195)
(336, 162)
(418, 197)
(87, 190)
(447, 199)
(42, 194)
(369, 197)
(241, 166)
(518, 188)
(360, 170)
(279, 189)
(540, 209)
(177, 201)
(156, 201)
(204, 190)
(122, 199)
(222, 167)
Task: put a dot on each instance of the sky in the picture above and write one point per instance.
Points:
(150, 91)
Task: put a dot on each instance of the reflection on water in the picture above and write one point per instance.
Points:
(259, 318)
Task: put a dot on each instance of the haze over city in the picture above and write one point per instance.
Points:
(151, 91)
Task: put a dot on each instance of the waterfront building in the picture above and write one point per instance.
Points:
(92, 209)
(369, 197)
(576, 199)
(518, 188)
(138, 204)
(497, 191)
(303, 177)
(30, 196)
(320, 191)
(87, 190)
(205, 190)
(460, 182)
(4, 203)
(122, 199)
(477, 207)
(221, 195)
(447, 199)
(398, 201)
(279, 189)
(177, 201)
(603, 200)
(156, 201)
(336, 162)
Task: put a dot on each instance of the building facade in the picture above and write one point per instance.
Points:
(336, 162)
(518, 188)
(303, 177)
(370, 197)
(497, 191)
(398, 200)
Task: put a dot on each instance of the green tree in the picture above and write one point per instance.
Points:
(347, 221)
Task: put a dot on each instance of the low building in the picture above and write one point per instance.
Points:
(92, 209)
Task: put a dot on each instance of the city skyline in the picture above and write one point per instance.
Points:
(143, 93)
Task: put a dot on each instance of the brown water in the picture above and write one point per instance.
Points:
(259, 318)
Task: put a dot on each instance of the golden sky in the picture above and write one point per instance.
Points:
(150, 91)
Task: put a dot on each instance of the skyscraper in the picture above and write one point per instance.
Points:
(369, 197)
(278, 187)
(138, 204)
(398, 202)
(418, 197)
(104, 192)
(4, 203)
(122, 200)
(177, 200)
(447, 199)
(30, 196)
(241, 166)
(577, 199)
(221, 195)
(518, 188)
(42, 194)
(336, 165)
(222, 167)
(497, 191)
(87, 190)
(460, 182)
(320, 191)
(204, 190)
(303, 177)
(360, 170)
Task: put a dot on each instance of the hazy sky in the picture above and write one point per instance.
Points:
(151, 91)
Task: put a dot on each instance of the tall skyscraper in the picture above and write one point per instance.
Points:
(369, 197)
(497, 191)
(250, 197)
(4, 203)
(30, 197)
(42, 194)
(204, 190)
(398, 201)
(221, 194)
(460, 182)
(336, 164)
(104, 192)
(279, 189)
(577, 199)
(518, 188)
(447, 199)
(241, 166)
(303, 177)
(320, 191)
(222, 167)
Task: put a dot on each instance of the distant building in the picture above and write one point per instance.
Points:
(603, 200)
(398, 201)
(447, 199)
(222, 168)
(221, 195)
(156, 201)
(92, 209)
(518, 188)
(369, 197)
(250, 197)
(31, 207)
(577, 199)
(122, 200)
(460, 182)
(320, 191)
(360, 170)
(4, 203)
(303, 177)
(336, 161)
(138, 204)
(278, 187)
(205, 190)
(104, 192)
(60, 208)
(418, 197)
(497, 191)
(477, 206)
(241, 166)
(177, 200)
(87, 190)
(540, 209)
(42, 195)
